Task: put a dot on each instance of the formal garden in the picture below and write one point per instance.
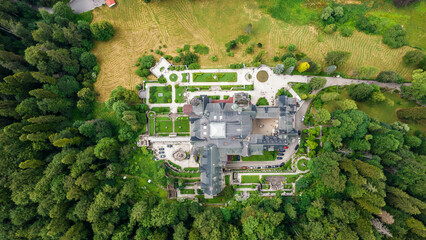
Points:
(182, 124)
(214, 77)
(180, 91)
(160, 94)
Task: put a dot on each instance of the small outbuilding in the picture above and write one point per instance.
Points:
(110, 3)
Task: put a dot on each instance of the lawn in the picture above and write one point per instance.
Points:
(151, 127)
(173, 77)
(163, 125)
(214, 77)
(267, 156)
(135, 22)
(300, 162)
(250, 179)
(381, 111)
(144, 167)
(161, 109)
(187, 191)
(227, 177)
(160, 94)
(182, 125)
(185, 77)
(180, 90)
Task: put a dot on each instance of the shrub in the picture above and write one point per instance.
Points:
(249, 49)
(394, 37)
(329, 29)
(337, 58)
(186, 48)
(177, 59)
(259, 45)
(291, 47)
(179, 50)
(142, 72)
(387, 76)
(201, 49)
(102, 30)
(262, 102)
(360, 92)
(317, 83)
(287, 55)
(189, 58)
(243, 39)
(230, 45)
(276, 59)
(213, 58)
(303, 67)
(365, 72)
(412, 114)
(412, 58)
(194, 66)
(290, 62)
(346, 31)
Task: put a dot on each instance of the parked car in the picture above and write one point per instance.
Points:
(275, 166)
(245, 167)
(285, 147)
(251, 167)
(279, 158)
(297, 147)
(298, 140)
(259, 167)
(280, 154)
(299, 132)
(161, 152)
(161, 149)
(162, 156)
(268, 166)
(169, 146)
(303, 118)
(282, 164)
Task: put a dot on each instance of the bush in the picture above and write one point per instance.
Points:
(412, 114)
(249, 49)
(329, 29)
(259, 45)
(287, 55)
(360, 92)
(394, 37)
(346, 31)
(262, 102)
(230, 45)
(317, 83)
(303, 67)
(387, 76)
(194, 66)
(291, 47)
(337, 58)
(365, 72)
(243, 39)
(213, 58)
(413, 58)
(201, 49)
(290, 62)
(177, 59)
(102, 30)
(276, 59)
(142, 72)
(189, 58)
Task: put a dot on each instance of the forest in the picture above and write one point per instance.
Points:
(62, 166)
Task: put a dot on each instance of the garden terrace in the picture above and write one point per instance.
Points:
(180, 90)
(250, 179)
(182, 125)
(214, 77)
(160, 94)
(163, 125)
(267, 156)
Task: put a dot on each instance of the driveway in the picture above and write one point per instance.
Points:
(81, 6)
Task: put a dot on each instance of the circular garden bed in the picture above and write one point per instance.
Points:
(173, 77)
(302, 164)
(262, 76)
(151, 115)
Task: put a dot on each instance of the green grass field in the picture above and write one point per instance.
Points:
(185, 77)
(180, 90)
(151, 127)
(267, 156)
(160, 94)
(163, 125)
(187, 191)
(173, 77)
(250, 179)
(214, 77)
(181, 125)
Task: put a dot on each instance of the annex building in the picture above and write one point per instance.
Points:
(222, 128)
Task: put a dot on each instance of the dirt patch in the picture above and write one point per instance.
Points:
(263, 126)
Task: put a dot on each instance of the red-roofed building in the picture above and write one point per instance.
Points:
(110, 3)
